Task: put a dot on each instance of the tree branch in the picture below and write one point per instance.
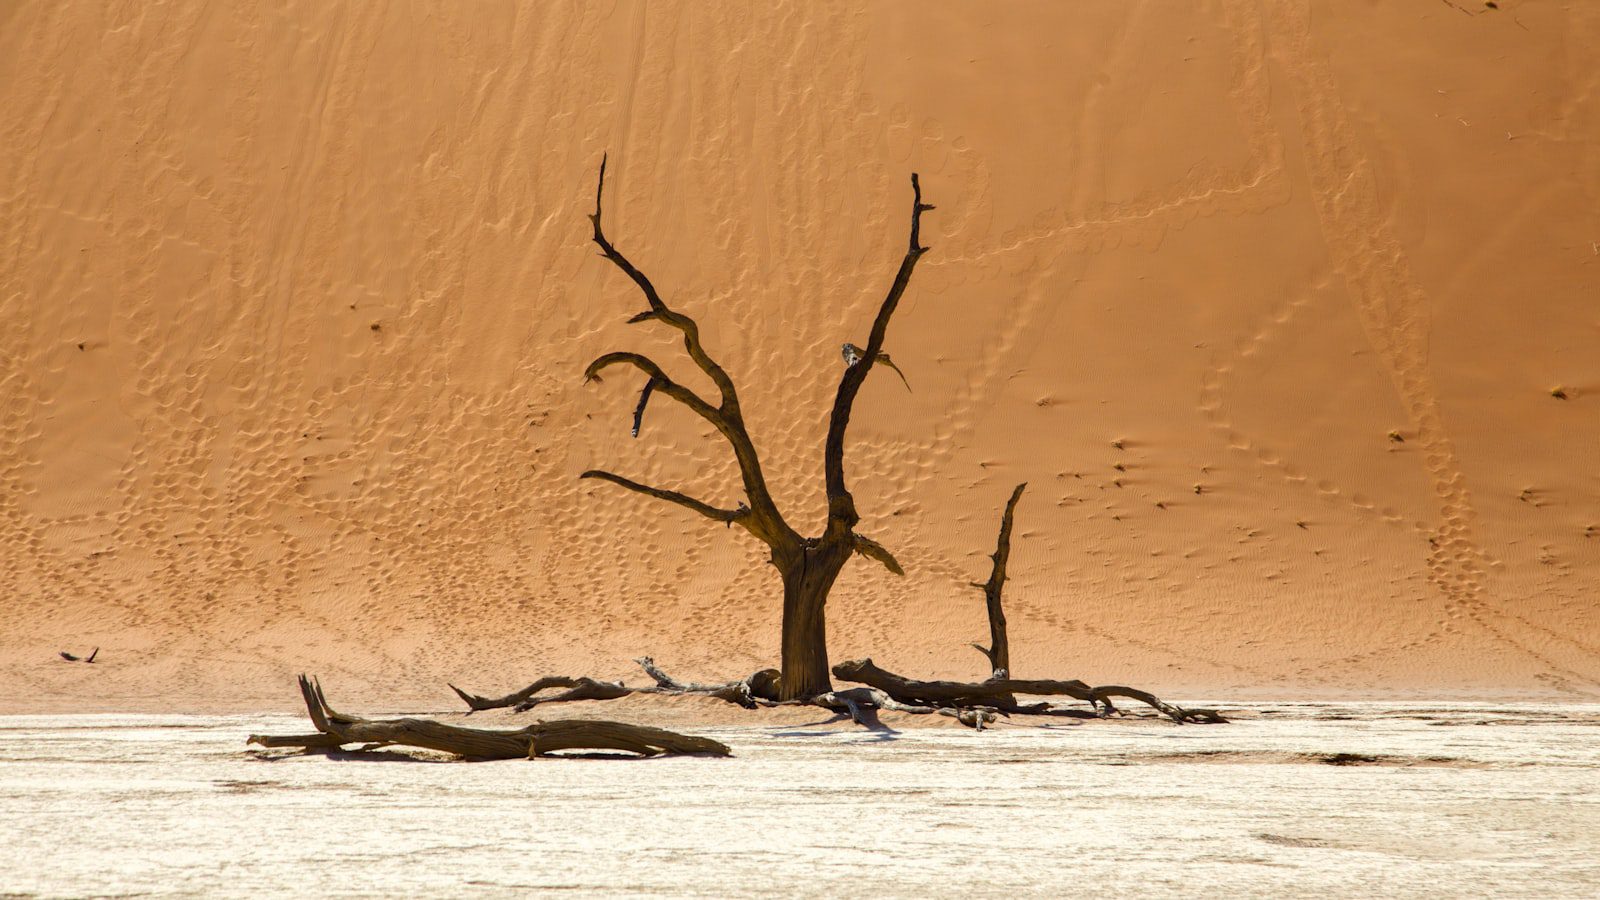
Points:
(644, 400)
(729, 418)
(662, 383)
(873, 550)
(842, 515)
(727, 516)
(659, 311)
(999, 649)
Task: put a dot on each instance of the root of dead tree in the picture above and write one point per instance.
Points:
(997, 693)
(760, 686)
(335, 730)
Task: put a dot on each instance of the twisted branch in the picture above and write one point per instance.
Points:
(662, 383)
(659, 311)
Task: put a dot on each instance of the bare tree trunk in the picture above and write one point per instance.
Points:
(805, 626)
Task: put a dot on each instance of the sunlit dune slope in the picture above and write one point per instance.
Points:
(1286, 311)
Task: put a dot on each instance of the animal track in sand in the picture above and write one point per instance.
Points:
(1393, 309)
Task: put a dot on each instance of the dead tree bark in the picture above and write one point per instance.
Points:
(858, 703)
(999, 649)
(581, 688)
(996, 692)
(808, 566)
(335, 729)
(759, 686)
(762, 685)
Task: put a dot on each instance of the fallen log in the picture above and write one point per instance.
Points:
(997, 693)
(335, 730)
(859, 703)
(581, 688)
(760, 686)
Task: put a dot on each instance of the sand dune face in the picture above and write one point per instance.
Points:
(1267, 302)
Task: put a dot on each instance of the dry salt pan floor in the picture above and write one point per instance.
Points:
(1296, 800)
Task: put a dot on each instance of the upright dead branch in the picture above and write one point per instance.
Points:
(842, 514)
(808, 566)
(999, 692)
(999, 649)
(335, 730)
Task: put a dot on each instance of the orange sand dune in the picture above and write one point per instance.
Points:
(1265, 300)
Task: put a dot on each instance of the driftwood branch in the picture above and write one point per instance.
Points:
(335, 729)
(859, 703)
(581, 688)
(995, 693)
(760, 686)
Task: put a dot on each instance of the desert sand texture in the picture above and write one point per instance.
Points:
(1287, 312)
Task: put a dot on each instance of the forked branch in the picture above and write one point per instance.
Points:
(581, 688)
(660, 381)
(659, 311)
(726, 414)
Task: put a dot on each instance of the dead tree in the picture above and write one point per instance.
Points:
(335, 730)
(999, 649)
(808, 566)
